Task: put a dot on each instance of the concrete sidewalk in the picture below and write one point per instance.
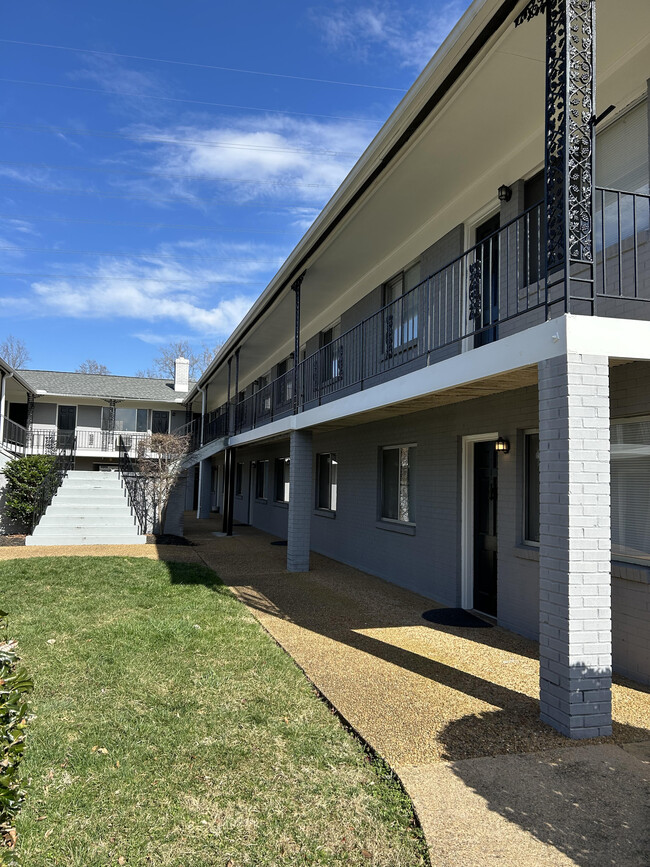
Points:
(454, 712)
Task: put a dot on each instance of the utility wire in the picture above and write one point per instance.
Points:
(368, 120)
(200, 65)
(99, 133)
(34, 188)
(134, 279)
(163, 175)
(139, 225)
(149, 256)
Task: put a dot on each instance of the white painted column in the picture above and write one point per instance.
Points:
(2, 404)
(300, 501)
(205, 488)
(575, 545)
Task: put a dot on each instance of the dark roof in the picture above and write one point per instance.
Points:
(101, 385)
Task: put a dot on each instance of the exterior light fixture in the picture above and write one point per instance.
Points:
(504, 193)
(502, 445)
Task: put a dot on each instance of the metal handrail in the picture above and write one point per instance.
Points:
(135, 486)
(53, 480)
(14, 436)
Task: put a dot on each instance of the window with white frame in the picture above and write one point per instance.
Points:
(630, 489)
(326, 481)
(282, 480)
(397, 488)
(401, 309)
(531, 488)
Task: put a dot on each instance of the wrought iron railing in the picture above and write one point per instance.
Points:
(14, 436)
(136, 487)
(496, 288)
(45, 440)
(63, 462)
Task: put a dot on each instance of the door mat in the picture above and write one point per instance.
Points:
(455, 617)
(281, 542)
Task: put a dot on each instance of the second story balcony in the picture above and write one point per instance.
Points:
(497, 288)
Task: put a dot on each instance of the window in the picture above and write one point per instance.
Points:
(397, 495)
(142, 421)
(533, 230)
(282, 480)
(326, 482)
(264, 399)
(260, 480)
(239, 479)
(330, 355)
(284, 383)
(401, 317)
(531, 488)
(630, 489)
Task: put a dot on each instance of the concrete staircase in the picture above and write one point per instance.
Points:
(90, 508)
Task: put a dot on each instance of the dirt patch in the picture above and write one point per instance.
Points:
(14, 541)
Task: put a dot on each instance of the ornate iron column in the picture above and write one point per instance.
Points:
(569, 145)
(296, 340)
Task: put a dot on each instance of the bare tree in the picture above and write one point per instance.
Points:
(92, 366)
(14, 352)
(160, 463)
(163, 364)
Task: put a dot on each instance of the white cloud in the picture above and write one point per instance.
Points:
(202, 297)
(409, 33)
(269, 158)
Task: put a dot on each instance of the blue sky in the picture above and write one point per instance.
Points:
(151, 201)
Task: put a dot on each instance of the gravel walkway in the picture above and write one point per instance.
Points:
(454, 711)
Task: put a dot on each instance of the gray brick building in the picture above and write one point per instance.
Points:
(446, 383)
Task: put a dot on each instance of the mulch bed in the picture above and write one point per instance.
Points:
(16, 541)
(167, 539)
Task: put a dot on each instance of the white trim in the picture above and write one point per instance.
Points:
(467, 517)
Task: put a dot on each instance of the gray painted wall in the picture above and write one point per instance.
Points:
(429, 561)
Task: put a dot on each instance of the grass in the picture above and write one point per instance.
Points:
(171, 730)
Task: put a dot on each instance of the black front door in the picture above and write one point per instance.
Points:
(66, 422)
(488, 255)
(159, 422)
(485, 528)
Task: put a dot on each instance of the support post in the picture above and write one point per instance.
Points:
(205, 488)
(300, 501)
(229, 490)
(575, 545)
(229, 408)
(296, 286)
(3, 387)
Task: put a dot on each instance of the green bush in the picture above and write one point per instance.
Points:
(14, 717)
(24, 475)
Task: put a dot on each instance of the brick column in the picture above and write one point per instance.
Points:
(205, 488)
(575, 545)
(300, 501)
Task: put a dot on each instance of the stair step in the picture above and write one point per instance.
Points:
(97, 519)
(49, 539)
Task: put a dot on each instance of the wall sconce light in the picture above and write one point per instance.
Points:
(502, 445)
(504, 193)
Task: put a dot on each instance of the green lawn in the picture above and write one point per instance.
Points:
(171, 730)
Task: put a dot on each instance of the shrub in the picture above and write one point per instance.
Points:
(14, 717)
(24, 475)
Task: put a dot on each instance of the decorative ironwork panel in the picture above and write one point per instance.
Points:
(475, 298)
(30, 411)
(569, 130)
(581, 109)
(389, 335)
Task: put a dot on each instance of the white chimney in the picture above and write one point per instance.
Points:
(181, 374)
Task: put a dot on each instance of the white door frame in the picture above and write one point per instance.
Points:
(467, 517)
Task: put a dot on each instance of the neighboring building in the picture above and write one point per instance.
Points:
(436, 382)
(43, 408)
